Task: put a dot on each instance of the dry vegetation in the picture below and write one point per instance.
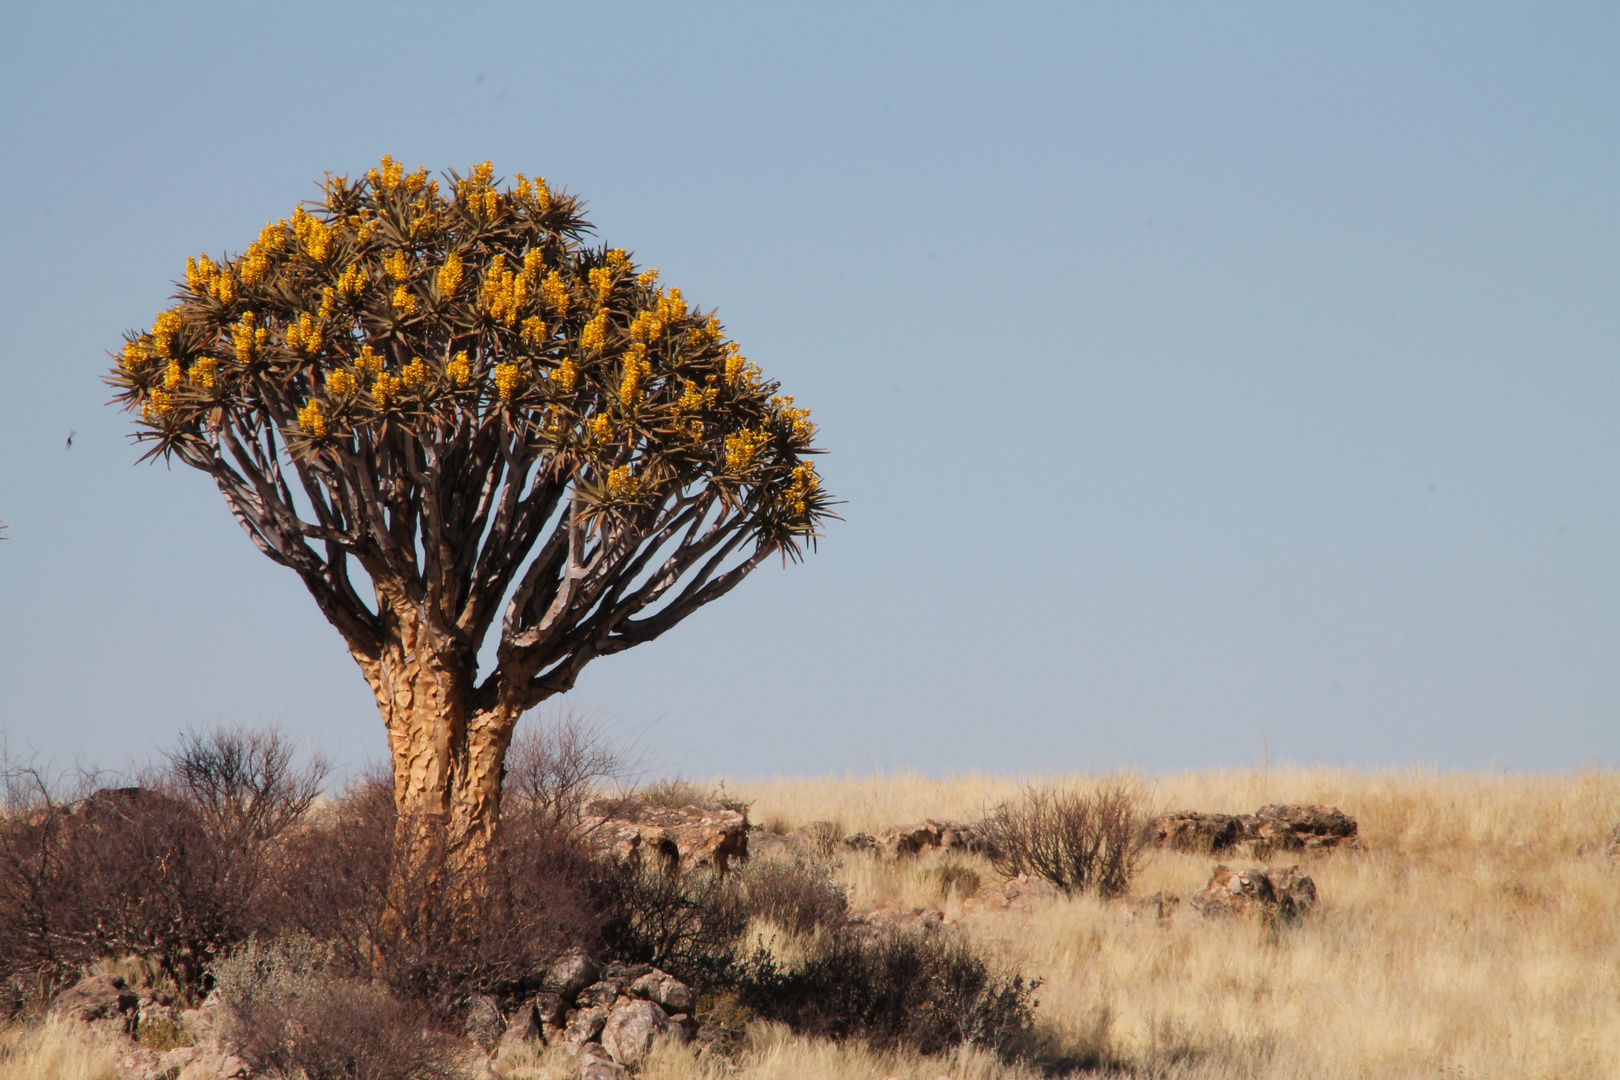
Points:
(1473, 935)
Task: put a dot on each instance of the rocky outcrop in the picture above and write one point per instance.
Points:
(1275, 893)
(105, 1003)
(1021, 893)
(614, 1020)
(635, 1028)
(1278, 827)
(900, 840)
(677, 839)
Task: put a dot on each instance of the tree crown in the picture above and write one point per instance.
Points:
(455, 391)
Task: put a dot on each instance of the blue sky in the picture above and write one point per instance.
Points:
(1199, 377)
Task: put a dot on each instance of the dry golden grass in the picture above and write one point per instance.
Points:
(56, 1051)
(1474, 935)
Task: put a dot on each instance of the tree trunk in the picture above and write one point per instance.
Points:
(448, 759)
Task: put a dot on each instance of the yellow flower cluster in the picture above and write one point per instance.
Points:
(249, 340)
(449, 278)
(352, 282)
(340, 383)
(459, 370)
(798, 418)
(804, 484)
(649, 325)
(160, 403)
(204, 373)
(397, 265)
(505, 292)
(311, 419)
(368, 361)
(534, 261)
(621, 484)
(200, 272)
(134, 355)
(534, 331)
(636, 369)
(415, 374)
(537, 192)
(743, 447)
(738, 367)
(476, 181)
(404, 300)
(386, 389)
(166, 333)
(600, 428)
(647, 278)
(389, 177)
(172, 375)
(601, 283)
(256, 263)
(508, 381)
(594, 336)
(305, 335)
(566, 376)
(618, 260)
(554, 291)
(314, 235)
(708, 333)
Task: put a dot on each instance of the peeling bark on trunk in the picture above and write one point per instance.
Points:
(448, 756)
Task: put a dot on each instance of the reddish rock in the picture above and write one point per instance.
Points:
(1289, 827)
(105, 1002)
(1199, 833)
(682, 839)
(1275, 892)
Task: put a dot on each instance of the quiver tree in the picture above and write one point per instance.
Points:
(440, 407)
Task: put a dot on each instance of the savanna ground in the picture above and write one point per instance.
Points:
(1473, 934)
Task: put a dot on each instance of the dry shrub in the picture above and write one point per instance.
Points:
(554, 769)
(172, 871)
(925, 990)
(800, 897)
(432, 927)
(1081, 840)
(689, 923)
(288, 1014)
(674, 793)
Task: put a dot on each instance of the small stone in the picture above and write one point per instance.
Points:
(634, 1028)
(598, 993)
(484, 1025)
(665, 989)
(571, 974)
(594, 1064)
(139, 1064)
(584, 1025)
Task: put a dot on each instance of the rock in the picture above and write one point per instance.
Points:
(584, 1025)
(484, 1025)
(1159, 906)
(523, 1029)
(930, 835)
(201, 1026)
(603, 993)
(635, 1028)
(548, 1008)
(769, 845)
(190, 1063)
(862, 842)
(665, 990)
(680, 839)
(139, 1064)
(571, 974)
(907, 920)
(105, 1002)
(1190, 830)
(1020, 892)
(594, 1064)
(1275, 892)
(1291, 827)
(898, 840)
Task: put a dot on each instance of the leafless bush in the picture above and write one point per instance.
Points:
(1079, 840)
(555, 768)
(288, 1014)
(244, 783)
(687, 923)
(929, 991)
(799, 897)
(431, 926)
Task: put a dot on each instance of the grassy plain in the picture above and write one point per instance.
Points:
(1475, 934)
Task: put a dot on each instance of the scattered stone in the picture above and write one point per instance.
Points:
(691, 836)
(1199, 833)
(912, 920)
(635, 1028)
(191, 1063)
(666, 990)
(525, 1028)
(1021, 892)
(860, 841)
(1160, 906)
(599, 993)
(1278, 827)
(901, 840)
(484, 1026)
(1275, 892)
(571, 974)
(594, 1064)
(549, 1008)
(139, 1064)
(584, 1025)
(105, 1002)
